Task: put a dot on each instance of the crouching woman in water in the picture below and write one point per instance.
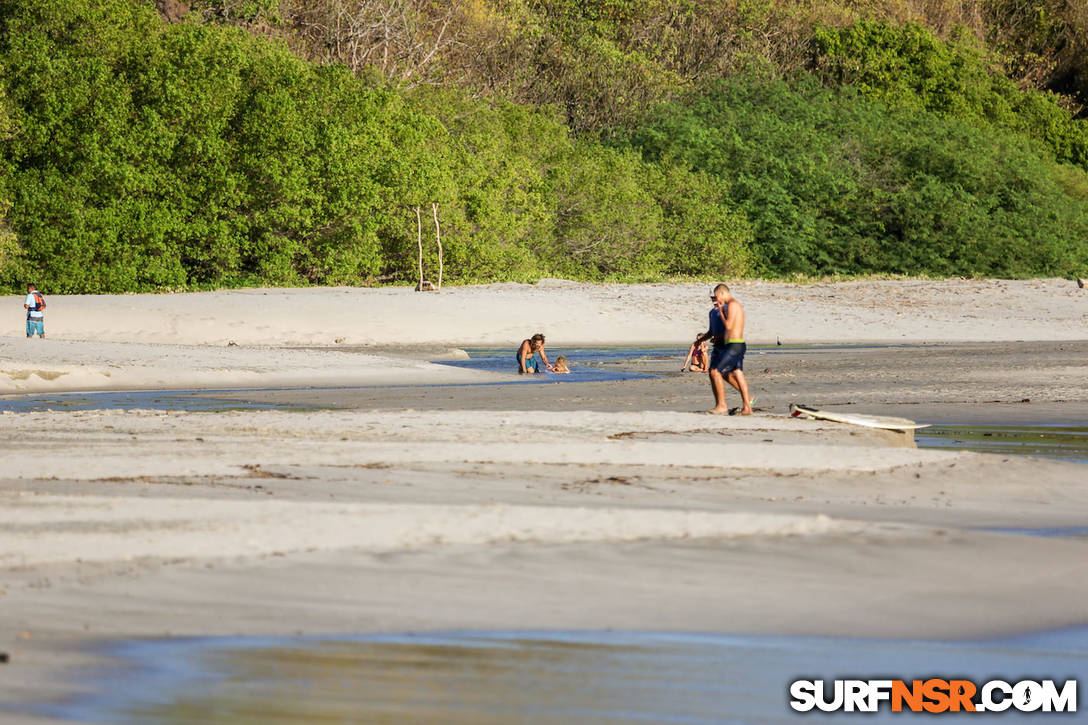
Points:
(531, 356)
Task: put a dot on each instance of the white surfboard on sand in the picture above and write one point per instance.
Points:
(869, 421)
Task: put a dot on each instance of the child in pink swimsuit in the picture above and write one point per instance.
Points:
(696, 359)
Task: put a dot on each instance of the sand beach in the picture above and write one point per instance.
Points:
(343, 479)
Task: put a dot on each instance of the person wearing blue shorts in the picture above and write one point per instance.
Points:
(531, 356)
(35, 312)
(727, 357)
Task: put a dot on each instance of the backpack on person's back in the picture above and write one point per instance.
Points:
(35, 312)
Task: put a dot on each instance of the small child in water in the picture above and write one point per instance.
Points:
(560, 367)
(696, 356)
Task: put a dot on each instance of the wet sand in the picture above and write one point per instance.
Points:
(546, 677)
(480, 510)
(553, 506)
(1036, 383)
(243, 338)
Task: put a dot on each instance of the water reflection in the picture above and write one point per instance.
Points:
(587, 365)
(1065, 443)
(526, 677)
(188, 400)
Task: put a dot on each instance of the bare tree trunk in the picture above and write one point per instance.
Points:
(419, 240)
(385, 57)
(438, 236)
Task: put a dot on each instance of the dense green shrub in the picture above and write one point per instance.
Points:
(907, 66)
(138, 155)
(603, 62)
(155, 156)
(834, 183)
(521, 196)
(9, 247)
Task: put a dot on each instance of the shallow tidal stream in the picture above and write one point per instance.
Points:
(535, 677)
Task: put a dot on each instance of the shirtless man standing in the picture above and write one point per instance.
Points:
(727, 358)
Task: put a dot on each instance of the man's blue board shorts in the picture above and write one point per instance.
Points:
(35, 327)
(729, 357)
(532, 364)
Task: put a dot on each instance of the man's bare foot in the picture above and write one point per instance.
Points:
(717, 411)
(745, 411)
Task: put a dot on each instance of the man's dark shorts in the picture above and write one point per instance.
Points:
(728, 358)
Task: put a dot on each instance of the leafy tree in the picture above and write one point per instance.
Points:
(137, 154)
(833, 183)
(9, 248)
(159, 156)
(907, 66)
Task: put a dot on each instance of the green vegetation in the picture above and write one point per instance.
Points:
(597, 139)
(907, 67)
(175, 156)
(836, 184)
(9, 247)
